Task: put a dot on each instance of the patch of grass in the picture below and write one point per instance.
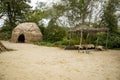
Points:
(45, 44)
(62, 44)
(116, 48)
(49, 44)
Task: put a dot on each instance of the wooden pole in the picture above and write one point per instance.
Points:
(69, 36)
(97, 41)
(107, 40)
(81, 36)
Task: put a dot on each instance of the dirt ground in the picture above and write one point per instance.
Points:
(31, 62)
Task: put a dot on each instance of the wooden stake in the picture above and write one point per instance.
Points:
(107, 40)
(81, 36)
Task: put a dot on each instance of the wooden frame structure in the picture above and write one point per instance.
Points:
(88, 30)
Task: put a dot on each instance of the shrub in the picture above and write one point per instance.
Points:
(5, 35)
(45, 44)
(54, 33)
(113, 40)
(5, 32)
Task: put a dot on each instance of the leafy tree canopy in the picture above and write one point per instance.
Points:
(109, 17)
(14, 10)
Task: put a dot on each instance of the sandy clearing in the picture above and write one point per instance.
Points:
(31, 62)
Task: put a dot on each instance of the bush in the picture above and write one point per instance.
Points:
(54, 33)
(5, 35)
(45, 44)
(113, 40)
(61, 43)
(5, 32)
(42, 28)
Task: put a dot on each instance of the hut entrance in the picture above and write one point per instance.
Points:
(21, 38)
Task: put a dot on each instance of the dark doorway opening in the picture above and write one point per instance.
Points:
(21, 38)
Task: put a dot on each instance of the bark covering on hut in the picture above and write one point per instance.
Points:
(26, 32)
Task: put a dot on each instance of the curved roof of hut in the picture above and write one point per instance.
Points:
(28, 26)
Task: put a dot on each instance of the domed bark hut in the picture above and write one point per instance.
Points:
(26, 33)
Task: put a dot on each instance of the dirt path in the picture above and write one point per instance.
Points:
(31, 62)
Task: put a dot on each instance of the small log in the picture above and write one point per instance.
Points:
(71, 47)
(99, 48)
(2, 48)
(88, 46)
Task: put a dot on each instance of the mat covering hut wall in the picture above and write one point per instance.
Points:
(26, 32)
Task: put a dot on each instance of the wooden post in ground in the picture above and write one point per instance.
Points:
(81, 36)
(107, 39)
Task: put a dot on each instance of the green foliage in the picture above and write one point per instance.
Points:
(109, 19)
(5, 32)
(42, 28)
(6, 29)
(45, 44)
(14, 10)
(5, 35)
(62, 43)
(77, 10)
(113, 40)
(66, 42)
(54, 13)
(34, 16)
(54, 33)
